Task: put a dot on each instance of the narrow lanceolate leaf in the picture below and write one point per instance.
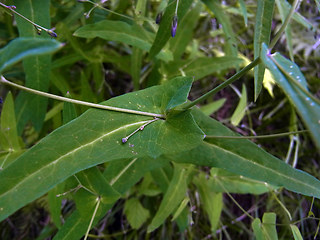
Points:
(241, 108)
(86, 202)
(296, 232)
(269, 226)
(37, 69)
(262, 34)
(8, 124)
(173, 196)
(284, 10)
(96, 137)
(164, 30)
(244, 11)
(257, 229)
(20, 48)
(248, 160)
(211, 200)
(134, 35)
(289, 77)
(220, 14)
(202, 67)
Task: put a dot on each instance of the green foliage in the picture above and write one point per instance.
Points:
(160, 169)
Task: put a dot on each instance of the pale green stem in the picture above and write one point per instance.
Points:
(88, 104)
(49, 31)
(284, 25)
(107, 10)
(177, 4)
(223, 85)
(93, 216)
(261, 136)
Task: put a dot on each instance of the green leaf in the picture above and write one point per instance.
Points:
(289, 77)
(244, 12)
(94, 138)
(257, 229)
(269, 226)
(248, 160)
(164, 30)
(174, 195)
(202, 67)
(134, 35)
(220, 14)
(21, 48)
(241, 108)
(212, 201)
(8, 124)
(284, 11)
(123, 174)
(55, 202)
(37, 69)
(135, 213)
(262, 34)
(69, 111)
(100, 190)
(184, 34)
(224, 181)
(210, 108)
(296, 232)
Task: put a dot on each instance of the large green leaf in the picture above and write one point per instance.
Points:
(289, 77)
(134, 35)
(220, 14)
(262, 34)
(95, 137)
(37, 69)
(21, 48)
(245, 158)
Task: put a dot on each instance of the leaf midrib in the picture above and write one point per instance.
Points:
(70, 152)
(264, 167)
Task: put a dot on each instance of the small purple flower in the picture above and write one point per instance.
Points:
(124, 140)
(52, 33)
(174, 25)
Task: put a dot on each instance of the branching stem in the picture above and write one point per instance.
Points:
(88, 104)
(37, 26)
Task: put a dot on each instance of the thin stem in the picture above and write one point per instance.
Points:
(177, 4)
(92, 218)
(44, 94)
(107, 10)
(125, 139)
(284, 25)
(261, 136)
(37, 26)
(223, 85)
